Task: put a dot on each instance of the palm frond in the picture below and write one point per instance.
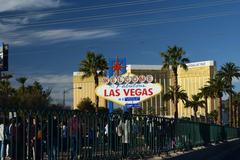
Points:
(93, 65)
(173, 58)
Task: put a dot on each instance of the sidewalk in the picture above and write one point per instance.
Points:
(214, 151)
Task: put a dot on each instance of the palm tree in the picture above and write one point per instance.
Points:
(22, 81)
(181, 95)
(213, 115)
(6, 93)
(6, 90)
(195, 103)
(236, 104)
(172, 60)
(218, 86)
(6, 76)
(227, 72)
(93, 65)
(205, 92)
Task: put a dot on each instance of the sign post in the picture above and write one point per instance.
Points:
(116, 66)
(3, 58)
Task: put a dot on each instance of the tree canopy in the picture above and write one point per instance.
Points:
(86, 105)
(30, 96)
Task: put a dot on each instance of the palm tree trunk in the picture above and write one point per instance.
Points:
(238, 115)
(235, 115)
(96, 97)
(195, 115)
(230, 110)
(175, 82)
(234, 107)
(220, 110)
(206, 109)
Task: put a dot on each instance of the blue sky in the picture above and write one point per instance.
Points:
(49, 38)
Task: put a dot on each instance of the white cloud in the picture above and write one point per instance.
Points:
(19, 42)
(236, 81)
(23, 20)
(59, 35)
(13, 5)
(15, 23)
(55, 36)
(58, 83)
(18, 21)
(15, 39)
(13, 31)
(9, 29)
(53, 79)
(5, 28)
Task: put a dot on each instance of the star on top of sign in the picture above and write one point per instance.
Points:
(117, 66)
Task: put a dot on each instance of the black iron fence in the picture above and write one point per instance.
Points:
(61, 134)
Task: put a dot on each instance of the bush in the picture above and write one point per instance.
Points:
(102, 110)
(86, 105)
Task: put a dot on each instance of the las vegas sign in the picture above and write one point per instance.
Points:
(128, 89)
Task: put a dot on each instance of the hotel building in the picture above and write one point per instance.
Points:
(191, 81)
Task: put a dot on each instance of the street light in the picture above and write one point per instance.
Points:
(65, 91)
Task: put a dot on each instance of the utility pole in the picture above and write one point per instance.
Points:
(65, 91)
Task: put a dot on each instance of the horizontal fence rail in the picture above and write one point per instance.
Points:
(65, 134)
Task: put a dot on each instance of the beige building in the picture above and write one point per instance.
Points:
(191, 81)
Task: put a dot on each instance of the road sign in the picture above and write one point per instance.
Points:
(134, 105)
(132, 98)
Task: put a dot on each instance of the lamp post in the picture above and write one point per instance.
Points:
(65, 91)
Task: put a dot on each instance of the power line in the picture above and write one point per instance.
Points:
(45, 51)
(191, 6)
(161, 21)
(127, 14)
(171, 20)
(183, 19)
(150, 22)
(90, 8)
(30, 52)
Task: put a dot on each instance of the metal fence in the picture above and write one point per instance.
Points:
(61, 134)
